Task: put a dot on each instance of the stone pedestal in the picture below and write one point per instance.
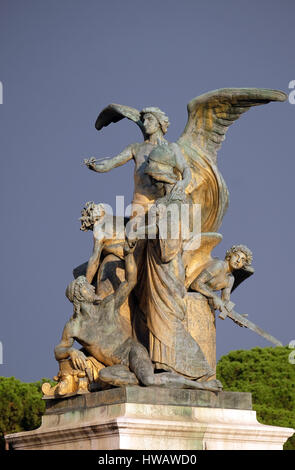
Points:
(200, 323)
(141, 418)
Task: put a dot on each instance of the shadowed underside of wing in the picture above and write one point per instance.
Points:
(114, 113)
(241, 275)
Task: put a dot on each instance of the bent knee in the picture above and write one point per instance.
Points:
(148, 380)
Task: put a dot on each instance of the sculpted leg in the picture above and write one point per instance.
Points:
(118, 375)
(170, 379)
(142, 366)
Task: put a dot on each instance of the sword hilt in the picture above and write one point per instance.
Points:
(227, 308)
(223, 314)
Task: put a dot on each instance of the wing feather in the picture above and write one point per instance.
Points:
(114, 113)
(211, 114)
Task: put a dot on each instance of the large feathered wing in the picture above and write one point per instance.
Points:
(115, 112)
(209, 117)
(211, 114)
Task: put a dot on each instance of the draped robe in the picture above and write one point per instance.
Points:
(162, 300)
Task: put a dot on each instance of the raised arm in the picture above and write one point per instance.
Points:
(108, 164)
(131, 276)
(94, 259)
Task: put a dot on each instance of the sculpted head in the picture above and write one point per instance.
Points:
(79, 290)
(239, 256)
(90, 214)
(154, 119)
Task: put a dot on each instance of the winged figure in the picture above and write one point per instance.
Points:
(209, 117)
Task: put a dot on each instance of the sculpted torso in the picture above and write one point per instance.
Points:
(109, 234)
(144, 191)
(100, 330)
(217, 276)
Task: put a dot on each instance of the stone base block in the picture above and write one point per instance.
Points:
(120, 419)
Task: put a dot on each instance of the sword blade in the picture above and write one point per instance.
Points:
(248, 324)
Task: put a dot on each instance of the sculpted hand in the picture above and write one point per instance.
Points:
(90, 163)
(218, 303)
(129, 246)
(79, 359)
(178, 188)
(100, 166)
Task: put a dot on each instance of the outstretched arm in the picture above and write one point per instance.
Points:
(108, 164)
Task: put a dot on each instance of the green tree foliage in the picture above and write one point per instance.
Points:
(265, 372)
(268, 375)
(21, 406)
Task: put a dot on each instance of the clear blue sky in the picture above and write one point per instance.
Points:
(61, 62)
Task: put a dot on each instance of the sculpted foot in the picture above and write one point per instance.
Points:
(213, 385)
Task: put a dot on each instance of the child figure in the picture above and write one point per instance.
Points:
(224, 276)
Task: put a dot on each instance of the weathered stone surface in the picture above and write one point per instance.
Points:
(153, 396)
(141, 426)
(160, 252)
(200, 323)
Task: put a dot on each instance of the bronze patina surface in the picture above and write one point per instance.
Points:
(144, 304)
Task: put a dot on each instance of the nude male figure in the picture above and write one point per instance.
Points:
(108, 239)
(155, 124)
(99, 328)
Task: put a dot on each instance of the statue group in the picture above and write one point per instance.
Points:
(141, 301)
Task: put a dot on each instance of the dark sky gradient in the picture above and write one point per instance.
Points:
(61, 62)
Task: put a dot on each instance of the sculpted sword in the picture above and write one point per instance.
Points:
(241, 320)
